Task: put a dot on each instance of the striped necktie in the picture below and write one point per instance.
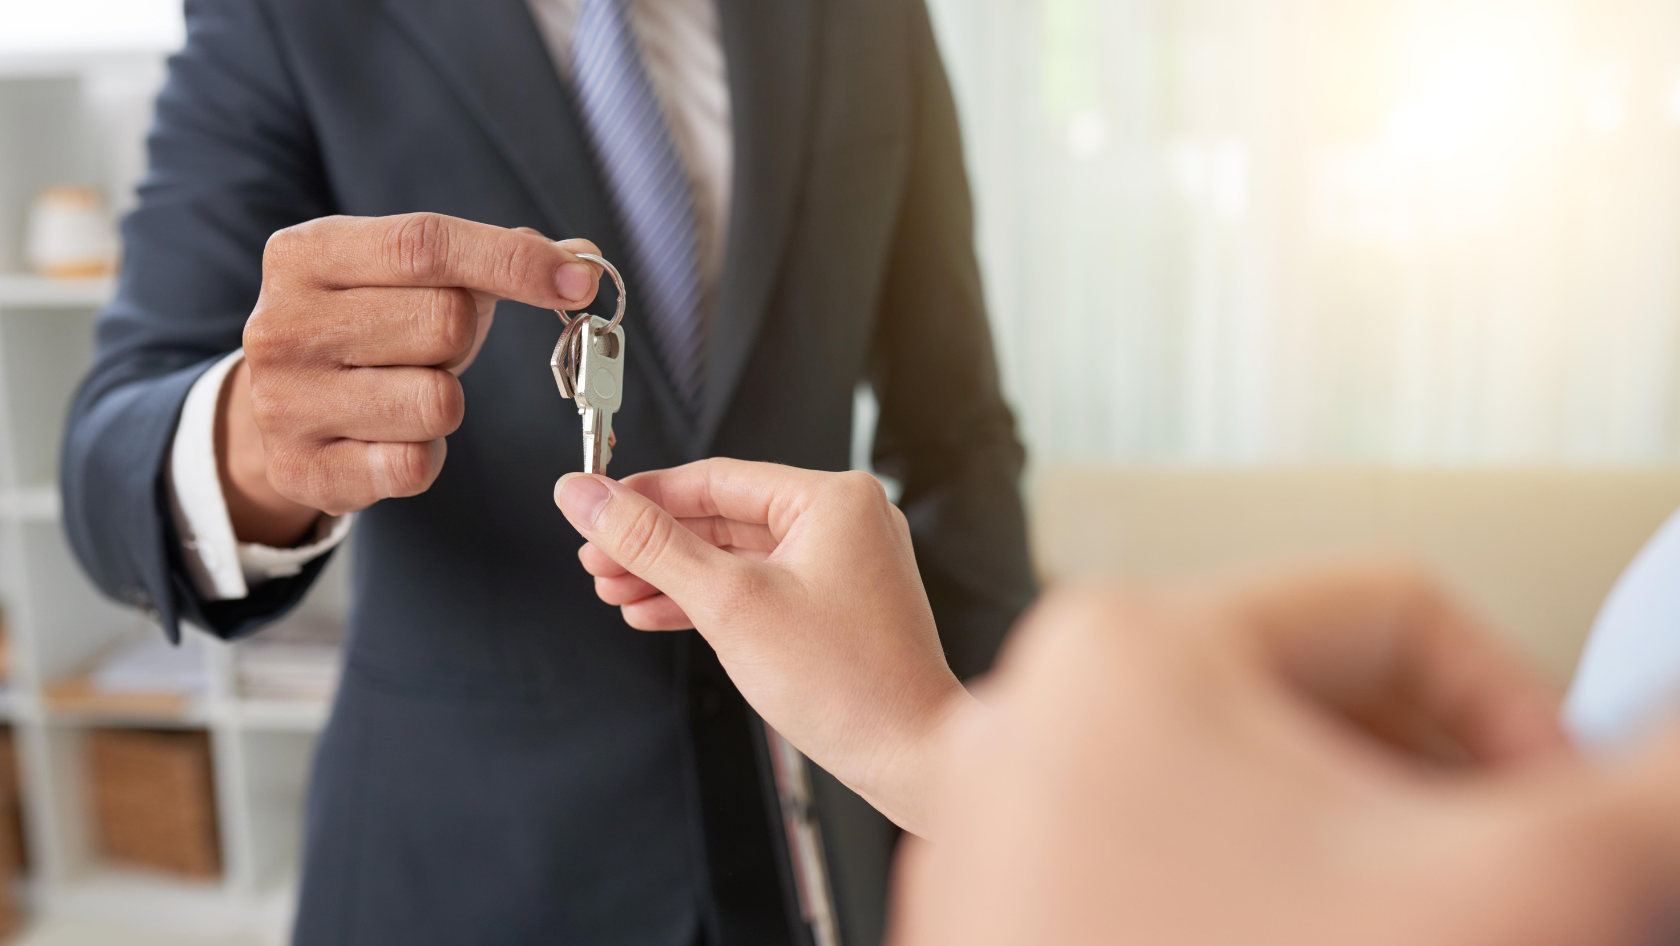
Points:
(649, 189)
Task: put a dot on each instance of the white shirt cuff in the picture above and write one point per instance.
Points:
(221, 567)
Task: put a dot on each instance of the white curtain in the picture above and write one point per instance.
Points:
(1413, 231)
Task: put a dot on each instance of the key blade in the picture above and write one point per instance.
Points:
(597, 440)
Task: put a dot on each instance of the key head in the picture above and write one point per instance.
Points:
(563, 364)
(599, 384)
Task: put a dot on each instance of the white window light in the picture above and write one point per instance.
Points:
(69, 26)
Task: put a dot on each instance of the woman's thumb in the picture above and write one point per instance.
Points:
(636, 533)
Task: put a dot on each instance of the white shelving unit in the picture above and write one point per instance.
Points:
(78, 119)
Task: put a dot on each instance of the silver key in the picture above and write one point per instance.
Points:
(600, 390)
(588, 366)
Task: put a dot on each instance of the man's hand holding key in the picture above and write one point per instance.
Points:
(352, 357)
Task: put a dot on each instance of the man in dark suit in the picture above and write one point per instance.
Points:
(781, 183)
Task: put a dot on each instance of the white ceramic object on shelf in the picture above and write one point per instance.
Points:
(70, 234)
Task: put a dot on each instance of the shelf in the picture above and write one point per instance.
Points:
(79, 116)
(73, 703)
(26, 291)
(279, 715)
(30, 504)
(72, 63)
(137, 900)
(75, 700)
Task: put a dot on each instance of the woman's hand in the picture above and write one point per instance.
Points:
(806, 586)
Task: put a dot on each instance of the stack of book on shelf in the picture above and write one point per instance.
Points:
(143, 677)
(5, 653)
(14, 858)
(296, 660)
(151, 664)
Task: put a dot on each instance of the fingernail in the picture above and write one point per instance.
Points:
(574, 281)
(581, 497)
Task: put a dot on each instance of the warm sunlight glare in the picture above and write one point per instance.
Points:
(1476, 84)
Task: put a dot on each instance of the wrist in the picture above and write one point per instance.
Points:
(258, 512)
(902, 784)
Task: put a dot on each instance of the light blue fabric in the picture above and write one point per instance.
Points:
(1629, 679)
(650, 191)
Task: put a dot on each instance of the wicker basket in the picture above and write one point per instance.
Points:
(154, 802)
(12, 854)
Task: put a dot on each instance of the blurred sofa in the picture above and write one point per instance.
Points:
(1534, 551)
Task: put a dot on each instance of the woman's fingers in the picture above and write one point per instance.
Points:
(636, 533)
(731, 533)
(619, 587)
(599, 563)
(658, 613)
(761, 493)
(623, 589)
(747, 540)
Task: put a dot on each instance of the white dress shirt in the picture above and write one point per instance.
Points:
(682, 50)
(1627, 686)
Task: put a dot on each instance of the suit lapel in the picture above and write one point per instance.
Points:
(770, 47)
(489, 51)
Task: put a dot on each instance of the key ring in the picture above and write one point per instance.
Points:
(617, 281)
(569, 350)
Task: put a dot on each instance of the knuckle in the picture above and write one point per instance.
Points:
(283, 405)
(402, 469)
(439, 404)
(646, 537)
(269, 406)
(269, 336)
(263, 405)
(283, 248)
(296, 246)
(860, 490)
(446, 322)
(416, 246)
(511, 266)
(901, 522)
(290, 475)
(261, 334)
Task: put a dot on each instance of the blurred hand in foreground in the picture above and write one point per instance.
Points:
(1319, 760)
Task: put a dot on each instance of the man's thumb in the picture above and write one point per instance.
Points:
(634, 532)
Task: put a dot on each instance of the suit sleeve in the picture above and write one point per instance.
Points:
(232, 159)
(944, 431)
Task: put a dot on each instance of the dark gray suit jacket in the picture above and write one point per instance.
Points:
(507, 763)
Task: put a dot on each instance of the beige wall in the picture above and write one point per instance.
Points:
(1535, 551)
